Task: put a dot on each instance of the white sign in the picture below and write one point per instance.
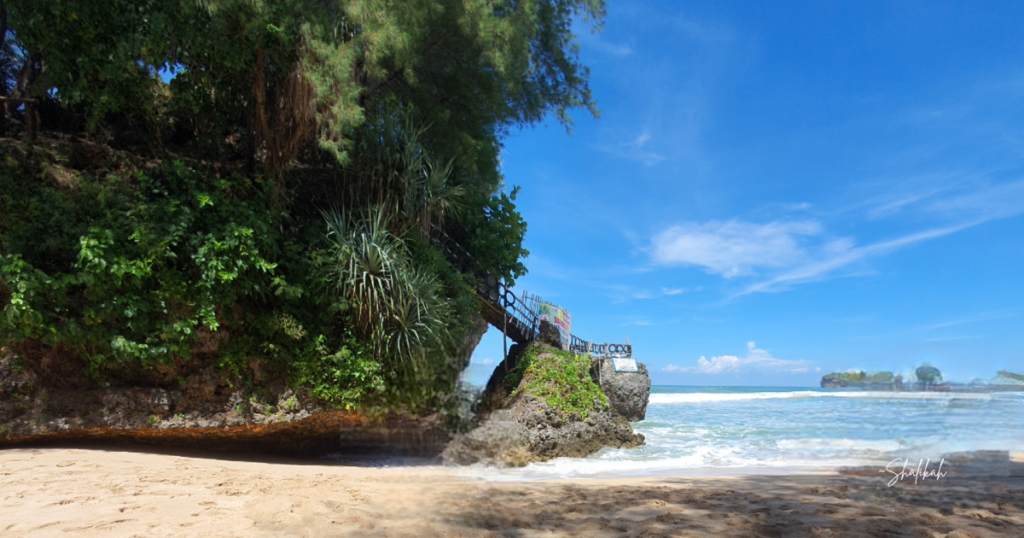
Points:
(625, 365)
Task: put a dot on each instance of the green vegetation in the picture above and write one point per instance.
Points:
(881, 378)
(927, 374)
(266, 210)
(343, 378)
(560, 378)
(1010, 375)
(924, 375)
(849, 377)
(858, 377)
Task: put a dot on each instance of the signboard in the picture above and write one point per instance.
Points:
(625, 365)
(557, 317)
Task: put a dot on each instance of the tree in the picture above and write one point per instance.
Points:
(293, 75)
(277, 111)
(1005, 374)
(928, 375)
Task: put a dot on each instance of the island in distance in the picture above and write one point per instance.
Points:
(925, 377)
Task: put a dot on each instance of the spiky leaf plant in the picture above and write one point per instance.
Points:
(398, 309)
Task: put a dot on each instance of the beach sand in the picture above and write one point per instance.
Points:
(116, 492)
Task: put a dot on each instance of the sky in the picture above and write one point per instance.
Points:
(779, 190)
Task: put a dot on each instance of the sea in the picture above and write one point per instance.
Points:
(781, 430)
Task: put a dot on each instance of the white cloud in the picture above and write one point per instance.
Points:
(984, 316)
(487, 362)
(665, 292)
(786, 253)
(706, 31)
(596, 41)
(735, 248)
(984, 203)
(952, 195)
(841, 253)
(732, 248)
(755, 360)
(634, 150)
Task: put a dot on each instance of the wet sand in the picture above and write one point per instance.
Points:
(92, 492)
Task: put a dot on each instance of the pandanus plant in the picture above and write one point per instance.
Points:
(390, 169)
(400, 310)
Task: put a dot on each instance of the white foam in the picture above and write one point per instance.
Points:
(863, 446)
(678, 466)
(704, 397)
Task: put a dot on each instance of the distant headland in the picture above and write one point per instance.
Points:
(924, 377)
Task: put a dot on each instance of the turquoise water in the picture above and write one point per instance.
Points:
(718, 429)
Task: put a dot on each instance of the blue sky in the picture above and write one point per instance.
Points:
(775, 191)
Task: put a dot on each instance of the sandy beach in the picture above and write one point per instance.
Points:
(117, 492)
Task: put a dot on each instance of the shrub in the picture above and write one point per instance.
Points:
(560, 378)
(343, 378)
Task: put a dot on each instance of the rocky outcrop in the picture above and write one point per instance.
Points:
(524, 428)
(627, 392)
(497, 441)
(287, 424)
(832, 383)
(549, 434)
(529, 430)
(548, 334)
(193, 406)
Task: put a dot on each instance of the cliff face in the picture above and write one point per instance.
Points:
(199, 408)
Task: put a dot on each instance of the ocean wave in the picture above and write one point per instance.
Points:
(702, 397)
(561, 468)
(603, 467)
(860, 446)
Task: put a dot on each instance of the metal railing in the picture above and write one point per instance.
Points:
(579, 346)
(517, 313)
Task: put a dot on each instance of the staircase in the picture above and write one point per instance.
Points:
(515, 316)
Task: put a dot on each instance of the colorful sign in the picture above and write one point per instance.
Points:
(557, 317)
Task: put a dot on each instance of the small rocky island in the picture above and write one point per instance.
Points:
(860, 379)
(549, 404)
(925, 377)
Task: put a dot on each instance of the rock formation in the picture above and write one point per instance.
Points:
(548, 334)
(549, 434)
(196, 407)
(627, 392)
(833, 383)
(520, 426)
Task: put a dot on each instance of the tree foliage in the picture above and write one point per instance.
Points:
(257, 118)
(1005, 374)
(291, 75)
(927, 374)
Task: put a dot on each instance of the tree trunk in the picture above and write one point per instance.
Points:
(3, 79)
(261, 129)
(23, 90)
